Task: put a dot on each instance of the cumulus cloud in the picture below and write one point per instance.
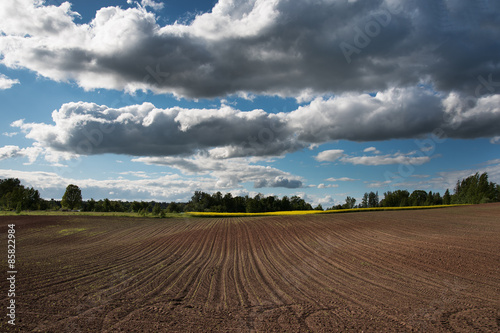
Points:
(321, 186)
(379, 184)
(228, 173)
(279, 182)
(342, 179)
(82, 128)
(150, 3)
(371, 150)
(448, 179)
(6, 82)
(164, 188)
(411, 158)
(386, 160)
(395, 113)
(329, 155)
(276, 47)
(284, 47)
(31, 153)
(144, 130)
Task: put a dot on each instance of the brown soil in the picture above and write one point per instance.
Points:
(393, 271)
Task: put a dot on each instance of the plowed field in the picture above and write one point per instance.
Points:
(392, 271)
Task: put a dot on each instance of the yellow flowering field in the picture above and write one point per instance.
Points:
(311, 212)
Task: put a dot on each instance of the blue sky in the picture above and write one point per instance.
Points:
(154, 100)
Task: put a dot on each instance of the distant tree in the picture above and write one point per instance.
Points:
(72, 198)
(447, 197)
(13, 194)
(217, 199)
(172, 208)
(229, 203)
(285, 204)
(91, 205)
(255, 204)
(156, 209)
(350, 202)
(437, 199)
(364, 201)
(318, 207)
(106, 205)
(418, 198)
(373, 200)
(398, 198)
(429, 201)
(475, 189)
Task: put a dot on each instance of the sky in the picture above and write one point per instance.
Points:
(150, 100)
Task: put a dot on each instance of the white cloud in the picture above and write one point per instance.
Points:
(495, 140)
(386, 160)
(329, 155)
(371, 150)
(362, 117)
(7, 83)
(321, 186)
(230, 173)
(163, 188)
(81, 128)
(226, 133)
(31, 153)
(144, 130)
(420, 176)
(10, 134)
(139, 174)
(342, 179)
(397, 158)
(442, 180)
(153, 4)
(379, 184)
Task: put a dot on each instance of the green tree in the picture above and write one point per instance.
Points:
(349, 203)
(91, 205)
(157, 209)
(72, 198)
(285, 204)
(364, 201)
(475, 189)
(447, 197)
(373, 199)
(430, 199)
(418, 198)
(172, 208)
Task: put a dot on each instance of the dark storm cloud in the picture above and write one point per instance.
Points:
(429, 65)
(265, 47)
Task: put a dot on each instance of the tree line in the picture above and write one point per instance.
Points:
(205, 202)
(14, 196)
(474, 189)
(471, 190)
